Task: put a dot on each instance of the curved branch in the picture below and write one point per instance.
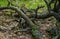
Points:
(33, 26)
(42, 16)
(19, 12)
(36, 10)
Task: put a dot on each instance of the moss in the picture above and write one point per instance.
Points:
(58, 23)
(36, 34)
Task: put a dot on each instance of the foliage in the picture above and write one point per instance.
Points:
(31, 4)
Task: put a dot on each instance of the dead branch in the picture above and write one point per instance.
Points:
(33, 26)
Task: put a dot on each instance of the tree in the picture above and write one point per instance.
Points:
(35, 28)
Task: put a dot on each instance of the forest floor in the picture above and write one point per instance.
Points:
(10, 34)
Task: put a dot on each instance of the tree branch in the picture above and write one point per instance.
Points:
(48, 5)
(42, 16)
(20, 13)
(33, 26)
